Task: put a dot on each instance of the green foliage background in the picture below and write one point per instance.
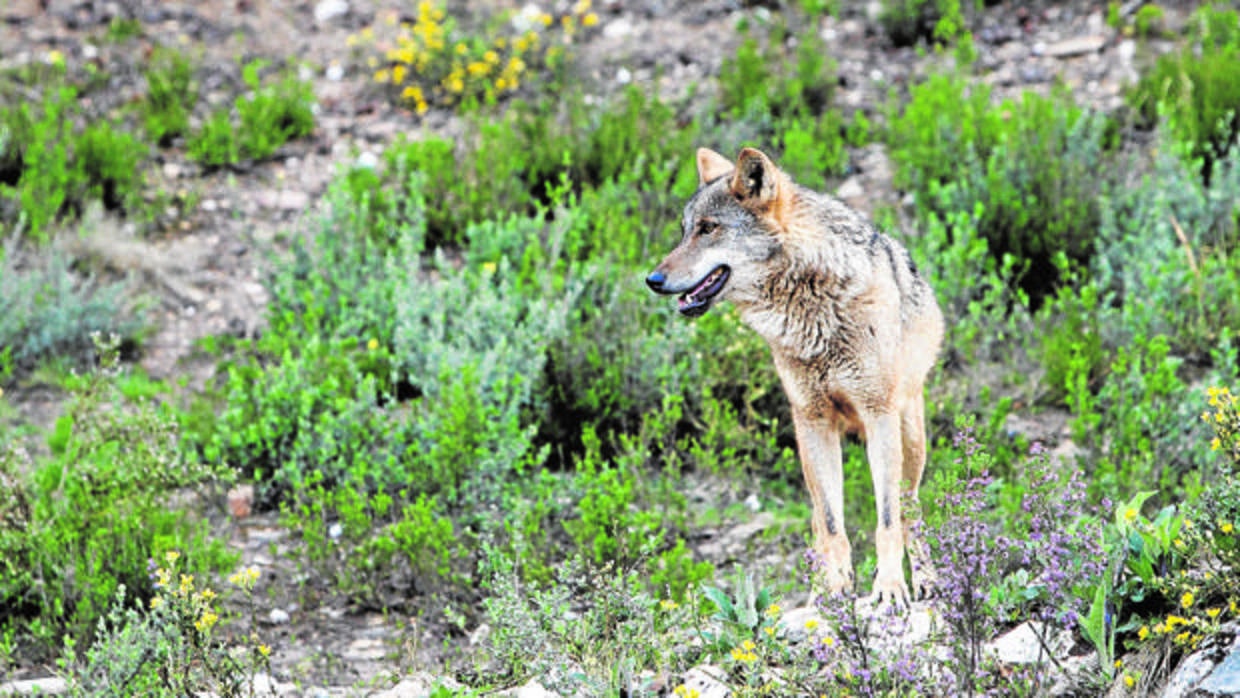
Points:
(464, 387)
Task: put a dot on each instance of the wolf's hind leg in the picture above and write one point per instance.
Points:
(913, 439)
(822, 462)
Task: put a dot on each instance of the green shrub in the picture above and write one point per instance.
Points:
(268, 117)
(84, 521)
(1198, 87)
(49, 167)
(51, 310)
(171, 95)
(172, 645)
(1029, 170)
(908, 22)
(1167, 250)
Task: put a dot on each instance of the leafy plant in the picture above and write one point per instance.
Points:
(85, 518)
(52, 310)
(1198, 87)
(267, 118)
(1027, 168)
(171, 95)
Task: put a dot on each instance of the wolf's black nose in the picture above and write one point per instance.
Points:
(655, 281)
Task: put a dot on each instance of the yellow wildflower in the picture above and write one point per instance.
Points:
(478, 68)
(1129, 680)
(1144, 632)
(769, 630)
(1187, 599)
(1213, 612)
(589, 20)
(172, 556)
(187, 583)
(156, 602)
(398, 74)
(501, 84)
(264, 650)
(55, 57)
(374, 343)
(1183, 637)
(461, 49)
(665, 604)
(1215, 444)
(773, 610)
(206, 622)
(1227, 528)
(811, 624)
(491, 57)
(1119, 664)
(1174, 620)
(545, 19)
(1130, 514)
(382, 75)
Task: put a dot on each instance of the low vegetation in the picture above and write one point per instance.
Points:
(469, 410)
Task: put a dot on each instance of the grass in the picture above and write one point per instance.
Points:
(470, 411)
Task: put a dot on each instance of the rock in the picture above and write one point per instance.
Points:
(240, 499)
(278, 616)
(1076, 46)
(1213, 671)
(418, 685)
(52, 686)
(618, 28)
(798, 624)
(285, 199)
(533, 689)
(708, 680)
(327, 10)
(1021, 645)
(480, 635)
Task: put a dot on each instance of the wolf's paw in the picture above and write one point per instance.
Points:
(832, 581)
(890, 589)
(925, 582)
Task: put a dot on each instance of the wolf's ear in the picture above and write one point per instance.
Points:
(711, 165)
(757, 180)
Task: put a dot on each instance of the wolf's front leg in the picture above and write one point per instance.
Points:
(884, 450)
(822, 462)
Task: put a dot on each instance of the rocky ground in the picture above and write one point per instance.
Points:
(204, 265)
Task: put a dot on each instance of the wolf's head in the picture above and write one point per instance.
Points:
(729, 232)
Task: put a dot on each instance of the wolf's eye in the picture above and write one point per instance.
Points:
(706, 227)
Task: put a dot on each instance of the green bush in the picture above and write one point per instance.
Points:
(1198, 87)
(267, 118)
(85, 520)
(1028, 169)
(1167, 250)
(50, 168)
(171, 95)
(51, 310)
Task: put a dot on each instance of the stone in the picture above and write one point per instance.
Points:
(241, 501)
(708, 680)
(1021, 645)
(278, 616)
(1213, 671)
(327, 10)
(418, 685)
(533, 689)
(798, 624)
(1076, 46)
(52, 686)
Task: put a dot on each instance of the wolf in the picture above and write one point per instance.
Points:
(852, 326)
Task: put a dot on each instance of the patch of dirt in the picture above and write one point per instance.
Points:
(204, 265)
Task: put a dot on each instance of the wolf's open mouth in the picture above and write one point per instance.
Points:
(697, 300)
